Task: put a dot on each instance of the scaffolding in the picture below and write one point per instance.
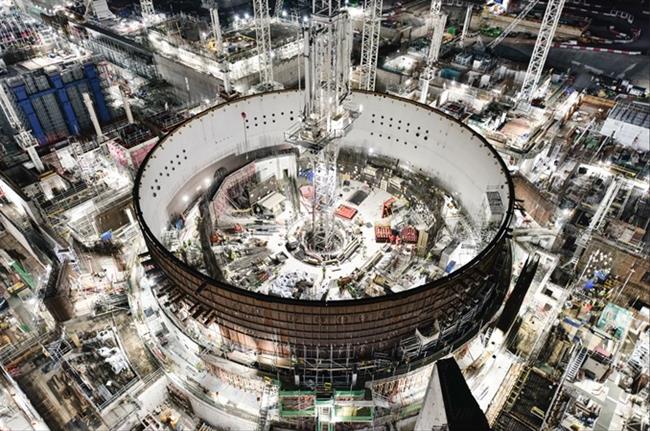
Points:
(327, 48)
(438, 21)
(279, 6)
(370, 44)
(19, 31)
(263, 41)
(146, 9)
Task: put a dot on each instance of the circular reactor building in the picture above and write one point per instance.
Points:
(414, 262)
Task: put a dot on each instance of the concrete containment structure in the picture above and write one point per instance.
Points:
(343, 342)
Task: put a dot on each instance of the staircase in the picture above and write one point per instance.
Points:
(269, 394)
(576, 362)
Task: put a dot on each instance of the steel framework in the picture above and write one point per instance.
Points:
(327, 48)
(540, 52)
(224, 65)
(438, 21)
(279, 4)
(263, 40)
(212, 7)
(370, 44)
(146, 8)
(328, 41)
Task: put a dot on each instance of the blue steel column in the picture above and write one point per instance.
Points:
(61, 94)
(23, 100)
(90, 71)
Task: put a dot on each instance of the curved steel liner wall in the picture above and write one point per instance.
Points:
(268, 323)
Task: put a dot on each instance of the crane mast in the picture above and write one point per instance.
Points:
(146, 8)
(370, 44)
(211, 5)
(224, 66)
(438, 21)
(466, 24)
(540, 51)
(263, 41)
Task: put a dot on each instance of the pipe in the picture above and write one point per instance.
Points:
(93, 115)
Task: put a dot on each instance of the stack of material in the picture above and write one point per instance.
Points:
(291, 285)
(409, 235)
(382, 233)
(387, 207)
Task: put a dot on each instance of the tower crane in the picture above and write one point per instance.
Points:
(540, 51)
(211, 6)
(23, 137)
(224, 66)
(263, 41)
(146, 8)
(466, 24)
(438, 20)
(513, 24)
(370, 44)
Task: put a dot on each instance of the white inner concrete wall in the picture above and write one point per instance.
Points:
(451, 153)
(276, 167)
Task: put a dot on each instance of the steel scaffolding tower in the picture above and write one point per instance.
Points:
(370, 44)
(224, 65)
(438, 21)
(327, 48)
(263, 41)
(279, 4)
(323, 229)
(146, 8)
(541, 49)
(328, 41)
